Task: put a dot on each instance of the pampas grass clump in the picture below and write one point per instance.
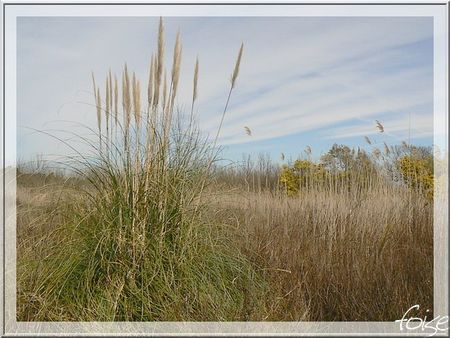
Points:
(138, 247)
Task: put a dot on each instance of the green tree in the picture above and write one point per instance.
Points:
(338, 158)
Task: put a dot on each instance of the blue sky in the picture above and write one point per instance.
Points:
(304, 81)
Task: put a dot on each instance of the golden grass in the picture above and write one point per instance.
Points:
(341, 257)
(325, 256)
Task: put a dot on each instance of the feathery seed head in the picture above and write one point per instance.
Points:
(176, 67)
(116, 100)
(110, 90)
(94, 87)
(151, 80)
(164, 103)
(376, 152)
(386, 149)
(159, 63)
(107, 99)
(194, 94)
(236, 67)
(99, 110)
(379, 126)
(136, 100)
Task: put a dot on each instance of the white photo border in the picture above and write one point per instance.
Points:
(11, 11)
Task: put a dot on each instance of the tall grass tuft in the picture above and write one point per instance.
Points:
(139, 247)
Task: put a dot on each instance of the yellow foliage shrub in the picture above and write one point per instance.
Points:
(417, 173)
(302, 174)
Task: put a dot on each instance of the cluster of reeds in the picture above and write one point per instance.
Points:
(142, 157)
(340, 247)
(328, 256)
(336, 236)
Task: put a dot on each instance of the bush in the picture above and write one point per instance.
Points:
(417, 173)
(302, 175)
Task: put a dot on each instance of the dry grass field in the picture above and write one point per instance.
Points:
(333, 257)
(319, 255)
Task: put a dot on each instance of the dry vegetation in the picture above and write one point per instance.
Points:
(329, 256)
(149, 227)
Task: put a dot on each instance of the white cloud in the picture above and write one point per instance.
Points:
(397, 128)
(297, 74)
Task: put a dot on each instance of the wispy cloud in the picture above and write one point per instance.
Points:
(397, 128)
(297, 74)
(321, 84)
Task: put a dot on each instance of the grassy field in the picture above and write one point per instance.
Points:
(331, 257)
(149, 226)
(320, 255)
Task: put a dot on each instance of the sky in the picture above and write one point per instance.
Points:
(303, 81)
